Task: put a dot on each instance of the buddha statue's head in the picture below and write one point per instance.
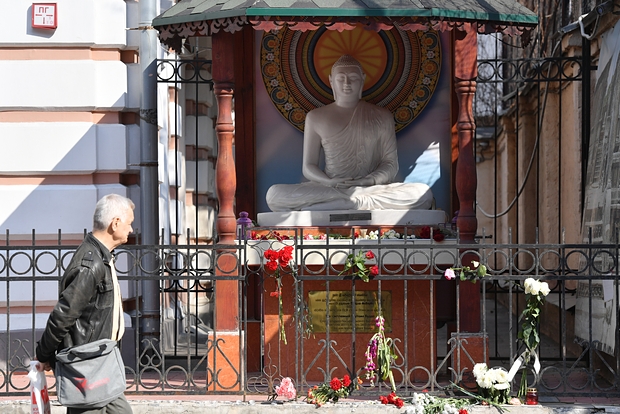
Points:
(347, 73)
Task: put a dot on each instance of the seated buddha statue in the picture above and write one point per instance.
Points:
(358, 142)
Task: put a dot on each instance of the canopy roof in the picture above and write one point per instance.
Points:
(204, 17)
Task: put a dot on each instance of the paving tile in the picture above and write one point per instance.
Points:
(548, 399)
(600, 400)
(582, 400)
(566, 400)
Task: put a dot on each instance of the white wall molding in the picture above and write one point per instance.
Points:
(68, 85)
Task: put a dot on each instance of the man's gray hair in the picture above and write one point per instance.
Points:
(110, 207)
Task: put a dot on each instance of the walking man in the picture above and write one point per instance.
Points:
(86, 312)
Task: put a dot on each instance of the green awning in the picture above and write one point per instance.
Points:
(203, 17)
(507, 12)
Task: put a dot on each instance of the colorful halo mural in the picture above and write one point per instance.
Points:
(402, 69)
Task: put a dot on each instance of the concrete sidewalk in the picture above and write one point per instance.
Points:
(207, 404)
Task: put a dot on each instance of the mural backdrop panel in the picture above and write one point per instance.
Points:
(402, 69)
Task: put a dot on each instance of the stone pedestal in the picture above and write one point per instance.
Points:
(352, 218)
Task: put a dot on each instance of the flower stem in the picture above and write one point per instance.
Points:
(281, 311)
(523, 385)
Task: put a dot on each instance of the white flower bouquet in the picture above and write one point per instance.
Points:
(493, 384)
(423, 403)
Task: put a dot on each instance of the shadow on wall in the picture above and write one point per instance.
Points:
(68, 167)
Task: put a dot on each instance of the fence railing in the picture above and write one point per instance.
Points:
(310, 321)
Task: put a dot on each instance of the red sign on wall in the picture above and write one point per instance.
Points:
(44, 15)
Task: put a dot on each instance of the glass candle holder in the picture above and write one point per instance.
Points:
(531, 397)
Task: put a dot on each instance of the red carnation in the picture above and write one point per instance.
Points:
(285, 255)
(438, 236)
(346, 380)
(335, 384)
(287, 251)
(399, 403)
(370, 255)
(383, 399)
(271, 265)
(463, 411)
(271, 255)
(374, 270)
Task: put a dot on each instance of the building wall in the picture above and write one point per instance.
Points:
(537, 160)
(68, 124)
(70, 133)
(547, 122)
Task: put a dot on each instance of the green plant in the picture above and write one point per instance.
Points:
(355, 265)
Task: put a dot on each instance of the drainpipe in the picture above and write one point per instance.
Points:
(149, 182)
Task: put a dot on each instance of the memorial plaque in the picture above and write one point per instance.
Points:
(340, 305)
(350, 217)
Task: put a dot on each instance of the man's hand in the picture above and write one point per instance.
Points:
(43, 366)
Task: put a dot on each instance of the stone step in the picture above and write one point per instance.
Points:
(186, 405)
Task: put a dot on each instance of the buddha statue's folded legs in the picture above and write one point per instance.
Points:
(319, 197)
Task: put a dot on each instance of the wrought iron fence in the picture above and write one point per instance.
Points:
(328, 315)
(530, 133)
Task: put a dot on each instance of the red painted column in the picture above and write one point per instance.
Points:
(465, 73)
(227, 291)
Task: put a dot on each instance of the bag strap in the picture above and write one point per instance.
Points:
(94, 348)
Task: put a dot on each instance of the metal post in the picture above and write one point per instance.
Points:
(149, 184)
(586, 69)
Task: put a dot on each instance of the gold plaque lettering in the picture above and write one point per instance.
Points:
(340, 306)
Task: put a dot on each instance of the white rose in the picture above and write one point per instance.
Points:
(485, 382)
(479, 370)
(544, 288)
(531, 286)
(528, 285)
(490, 374)
(500, 375)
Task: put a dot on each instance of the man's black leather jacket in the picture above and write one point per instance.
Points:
(84, 309)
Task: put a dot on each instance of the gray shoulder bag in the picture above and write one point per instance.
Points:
(90, 375)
